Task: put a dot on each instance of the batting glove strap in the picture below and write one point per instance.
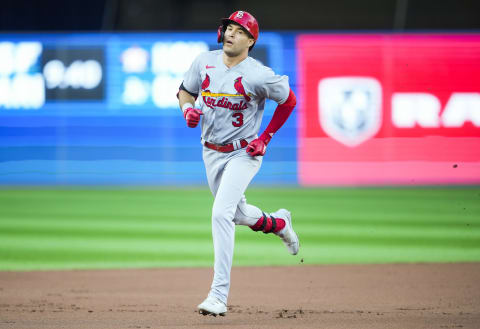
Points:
(266, 137)
(185, 107)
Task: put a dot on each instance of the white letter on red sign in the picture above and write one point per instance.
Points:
(409, 109)
(462, 107)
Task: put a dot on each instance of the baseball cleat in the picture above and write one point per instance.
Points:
(212, 306)
(287, 234)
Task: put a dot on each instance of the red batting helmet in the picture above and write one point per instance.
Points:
(242, 18)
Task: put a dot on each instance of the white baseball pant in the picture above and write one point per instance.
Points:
(228, 176)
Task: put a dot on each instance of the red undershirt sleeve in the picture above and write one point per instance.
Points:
(280, 116)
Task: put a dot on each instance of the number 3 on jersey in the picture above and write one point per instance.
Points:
(239, 119)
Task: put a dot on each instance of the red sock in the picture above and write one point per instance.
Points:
(280, 224)
(257, 225)
(265, 224)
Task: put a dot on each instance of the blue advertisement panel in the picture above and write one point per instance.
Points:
(88, 109)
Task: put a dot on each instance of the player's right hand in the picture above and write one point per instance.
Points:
(192, 116)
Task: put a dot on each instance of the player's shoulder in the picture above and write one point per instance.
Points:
(258, 71)
(257, 65)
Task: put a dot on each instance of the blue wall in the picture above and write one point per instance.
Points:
(84, 136)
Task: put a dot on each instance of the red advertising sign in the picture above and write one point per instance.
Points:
(389, 109)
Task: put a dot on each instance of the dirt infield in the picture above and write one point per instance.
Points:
(342, 296)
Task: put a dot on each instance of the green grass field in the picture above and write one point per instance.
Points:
(123, 228)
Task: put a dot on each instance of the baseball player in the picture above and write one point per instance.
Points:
(231, 89)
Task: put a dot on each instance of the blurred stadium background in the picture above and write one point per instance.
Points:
(380, 161)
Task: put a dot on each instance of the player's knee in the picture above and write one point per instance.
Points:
(240, 211)
(239, 216)
(222, 214)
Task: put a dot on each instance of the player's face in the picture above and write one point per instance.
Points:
(236, 41)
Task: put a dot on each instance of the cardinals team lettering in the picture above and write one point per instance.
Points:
(212, 102)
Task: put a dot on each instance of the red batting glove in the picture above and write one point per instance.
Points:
(258, 146)
(192, 116)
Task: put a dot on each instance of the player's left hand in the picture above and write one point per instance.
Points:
(257, 147)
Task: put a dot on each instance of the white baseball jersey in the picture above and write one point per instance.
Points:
(233, 99)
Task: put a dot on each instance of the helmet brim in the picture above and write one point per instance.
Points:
(226, 21)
